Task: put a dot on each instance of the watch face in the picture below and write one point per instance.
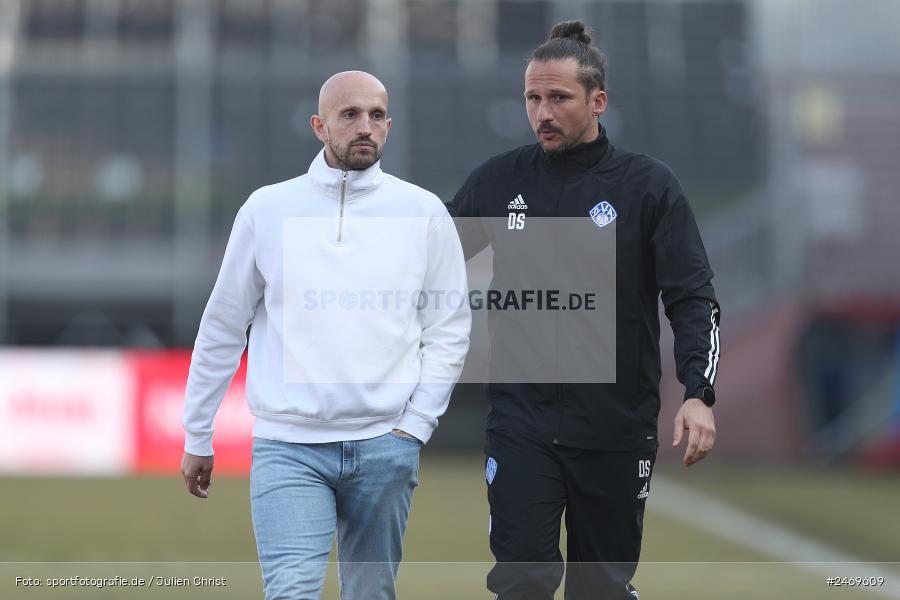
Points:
(709, 397)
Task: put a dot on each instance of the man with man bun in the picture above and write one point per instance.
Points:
(587, 448)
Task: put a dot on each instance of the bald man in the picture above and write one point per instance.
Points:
(353, 286)
(352, 143)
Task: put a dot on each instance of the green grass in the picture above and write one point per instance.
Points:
(853, 510)
(153, 523)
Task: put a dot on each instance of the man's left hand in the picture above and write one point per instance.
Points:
(402, 433)
(698, 419)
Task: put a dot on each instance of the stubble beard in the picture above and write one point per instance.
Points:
(564, 147)
(567, 144)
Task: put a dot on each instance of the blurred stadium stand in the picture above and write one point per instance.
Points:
(132, 130)
(137, 128)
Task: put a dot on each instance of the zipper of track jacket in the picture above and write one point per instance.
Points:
(340, 231)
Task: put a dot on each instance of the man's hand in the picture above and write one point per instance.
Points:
(402, 433)
(197, 471)
(698, 419)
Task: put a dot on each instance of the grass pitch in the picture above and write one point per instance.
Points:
(149, 527)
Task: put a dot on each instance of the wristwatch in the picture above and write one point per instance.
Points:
(708, 396)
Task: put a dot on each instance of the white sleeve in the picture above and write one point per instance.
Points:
(446, 322)
(222, 336)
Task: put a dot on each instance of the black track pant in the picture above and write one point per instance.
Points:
(603, 495)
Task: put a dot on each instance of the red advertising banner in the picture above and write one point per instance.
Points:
(160, 379)
(67, 412)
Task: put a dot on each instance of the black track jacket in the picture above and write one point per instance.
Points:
(658, 251)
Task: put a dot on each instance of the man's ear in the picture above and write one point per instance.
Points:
(599, 101)
(318, 126)
(389, 122)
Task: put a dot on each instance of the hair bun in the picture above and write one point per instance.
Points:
(575, 30)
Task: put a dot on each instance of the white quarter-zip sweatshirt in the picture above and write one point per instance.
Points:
(353, 286)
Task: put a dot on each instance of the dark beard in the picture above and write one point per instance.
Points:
(562, 149)
(348, 161)
(567, 144)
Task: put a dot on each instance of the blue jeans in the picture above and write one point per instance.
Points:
(300, 494)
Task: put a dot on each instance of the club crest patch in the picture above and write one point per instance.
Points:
(490, 470)
(603, 214)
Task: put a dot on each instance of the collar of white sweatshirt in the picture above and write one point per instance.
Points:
(353, 285)
(329, 179)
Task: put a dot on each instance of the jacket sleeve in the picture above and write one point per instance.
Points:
(222, 337)
(684, 279)
(466, 213)
(446, 320)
